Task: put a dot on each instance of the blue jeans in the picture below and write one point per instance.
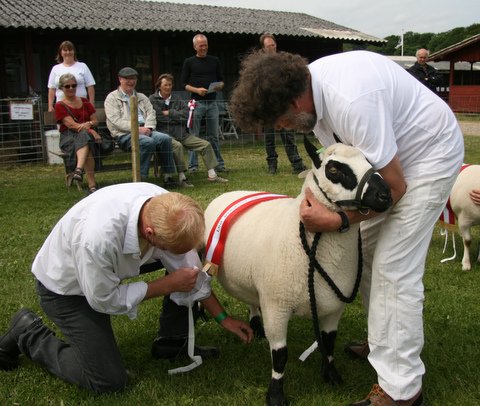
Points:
(209, 110)
(156, 142)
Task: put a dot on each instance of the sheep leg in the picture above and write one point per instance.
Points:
(467, 240)
(275, 395)
(329, 371)
(256, 322)
(275, 321)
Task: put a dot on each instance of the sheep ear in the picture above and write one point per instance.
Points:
(312, 152)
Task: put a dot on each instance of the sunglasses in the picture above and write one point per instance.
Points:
(70, 86)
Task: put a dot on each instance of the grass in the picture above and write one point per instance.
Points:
(33, 198)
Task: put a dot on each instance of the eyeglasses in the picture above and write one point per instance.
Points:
(70, 86)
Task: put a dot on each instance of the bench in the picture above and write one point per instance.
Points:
(103, 164)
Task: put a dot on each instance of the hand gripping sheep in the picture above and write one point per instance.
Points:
(264, 263)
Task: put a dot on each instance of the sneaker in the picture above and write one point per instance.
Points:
(221, 169)
(193, 169)
(184, 183)
(357, 349)
(217, 179)
(377, 397)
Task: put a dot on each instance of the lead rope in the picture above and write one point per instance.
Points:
(312, 265)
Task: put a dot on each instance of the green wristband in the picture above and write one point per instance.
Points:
(220, 317)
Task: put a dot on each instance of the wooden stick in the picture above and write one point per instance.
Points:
(134, 139)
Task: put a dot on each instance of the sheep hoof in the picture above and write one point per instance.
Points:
(331, 375)
(257, 327)
(275, 395)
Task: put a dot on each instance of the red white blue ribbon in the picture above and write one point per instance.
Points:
(218, 234)
(191, 106)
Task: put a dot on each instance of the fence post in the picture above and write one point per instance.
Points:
(134, 138)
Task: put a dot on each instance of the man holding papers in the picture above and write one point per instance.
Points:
(202, 77)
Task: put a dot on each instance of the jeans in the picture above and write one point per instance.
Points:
(156, 142)
(209, 110)
(288, 141)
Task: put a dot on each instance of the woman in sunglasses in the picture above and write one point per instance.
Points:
(68, 63)
(78, 138)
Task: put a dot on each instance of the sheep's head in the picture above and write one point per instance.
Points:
(342, 178)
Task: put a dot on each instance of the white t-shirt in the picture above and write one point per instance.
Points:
(372, 103)
(79, 70)
(95, 246)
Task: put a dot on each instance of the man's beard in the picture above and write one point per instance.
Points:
(303, 122)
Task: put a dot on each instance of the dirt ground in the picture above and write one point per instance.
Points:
(470, 127)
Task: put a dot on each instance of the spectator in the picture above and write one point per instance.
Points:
(117, 112)
(269, 44)
(68, 63)
(425, 73)
(77, 119)
(172, 113)
(101, 241)
(412, 139)
(199, 72)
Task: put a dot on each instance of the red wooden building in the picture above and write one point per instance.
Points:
(464, 95)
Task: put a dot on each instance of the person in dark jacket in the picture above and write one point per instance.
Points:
(425, 73)
(172, 116)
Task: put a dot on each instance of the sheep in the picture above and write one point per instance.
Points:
(265, 266)
(466, 212)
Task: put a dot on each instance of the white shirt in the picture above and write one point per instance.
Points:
(370, 102)
(95, 246)
(79, 70)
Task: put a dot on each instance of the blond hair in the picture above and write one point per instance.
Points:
(178, 221)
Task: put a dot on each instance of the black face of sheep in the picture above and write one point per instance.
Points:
(372, 191)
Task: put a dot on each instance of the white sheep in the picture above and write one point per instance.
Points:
(466, 211)
(265, 265)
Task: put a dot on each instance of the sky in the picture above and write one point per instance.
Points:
(379, 18)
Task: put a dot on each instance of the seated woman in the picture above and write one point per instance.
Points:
(77, 119)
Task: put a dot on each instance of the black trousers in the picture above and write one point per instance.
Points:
(288, 141)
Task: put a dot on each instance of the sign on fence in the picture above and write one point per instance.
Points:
(21, 110)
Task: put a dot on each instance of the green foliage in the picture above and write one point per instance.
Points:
(33, 198)
(413, 41)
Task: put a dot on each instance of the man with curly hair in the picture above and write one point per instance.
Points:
(412, 138)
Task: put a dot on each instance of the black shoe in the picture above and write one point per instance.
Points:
(170, 348)
(272, 169)
(357, 349)
(170, 184)
(221, 169)
(299, 169)
(9, 350)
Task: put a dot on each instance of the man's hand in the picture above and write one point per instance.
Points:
(316, 217)
(238, 327)
(182, 280)
(475, 196)
(145, 131)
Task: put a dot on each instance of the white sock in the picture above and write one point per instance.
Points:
(211, 173)
(181, 176)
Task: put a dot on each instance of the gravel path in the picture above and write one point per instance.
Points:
(470, 127)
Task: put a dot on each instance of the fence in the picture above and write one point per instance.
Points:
(21, 131)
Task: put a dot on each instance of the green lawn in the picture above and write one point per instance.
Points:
(33, 198)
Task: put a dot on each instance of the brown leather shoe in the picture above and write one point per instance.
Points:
(357, 349)
(377, 397)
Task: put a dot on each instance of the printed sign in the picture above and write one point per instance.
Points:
(21, 111)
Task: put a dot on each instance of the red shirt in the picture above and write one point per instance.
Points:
(81, 115)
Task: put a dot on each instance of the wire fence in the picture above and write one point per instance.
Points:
(21, 131)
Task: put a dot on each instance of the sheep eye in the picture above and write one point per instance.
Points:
(332, 170)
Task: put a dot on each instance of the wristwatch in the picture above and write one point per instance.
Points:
(345, 223)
